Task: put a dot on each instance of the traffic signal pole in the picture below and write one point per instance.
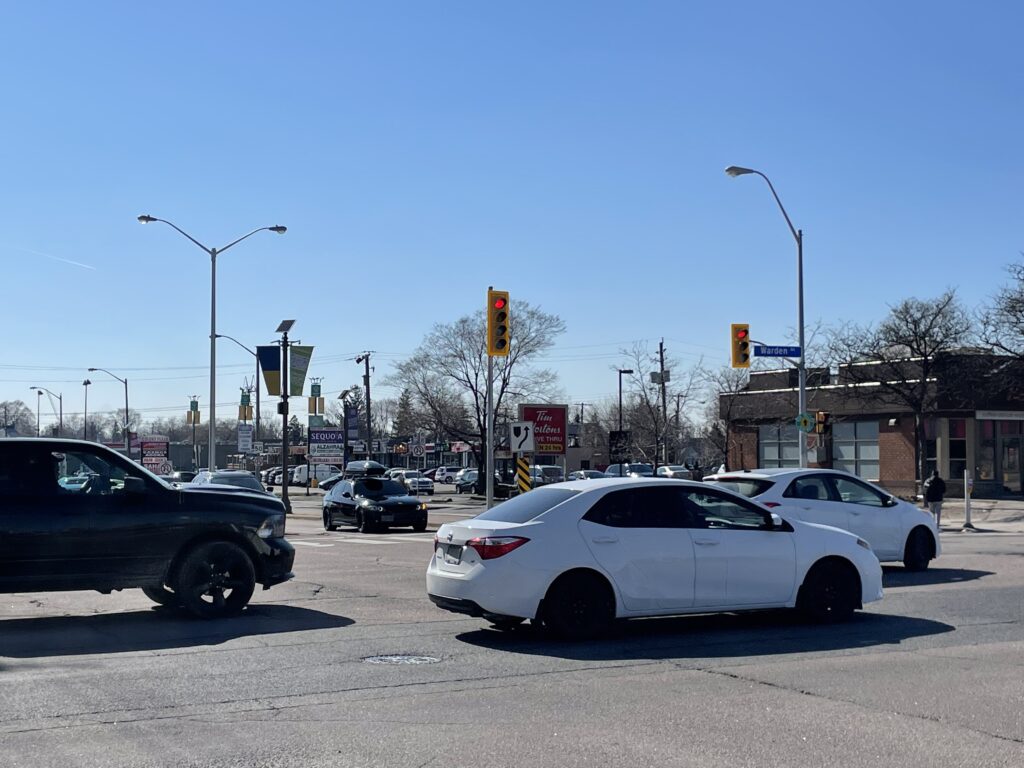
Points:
(489, 428)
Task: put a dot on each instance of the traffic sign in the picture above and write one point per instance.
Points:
(417, 450)
(763, 350)
(805, 422)
(522, 436)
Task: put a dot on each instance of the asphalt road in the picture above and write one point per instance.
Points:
(931, 676)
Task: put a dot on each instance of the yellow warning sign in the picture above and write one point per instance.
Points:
(523, 474)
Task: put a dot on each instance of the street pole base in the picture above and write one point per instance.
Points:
(968, 527)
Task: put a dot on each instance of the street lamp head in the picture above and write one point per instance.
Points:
(735, 170)
(146, 219)
(86, 383)
(278, 229)
(626, 371)
(91, 370)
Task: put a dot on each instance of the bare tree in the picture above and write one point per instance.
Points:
(1002, 320)
(722, 388)
(900, 357)
(448, 373)
(19, 419)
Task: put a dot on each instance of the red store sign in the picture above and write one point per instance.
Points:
(549, 427)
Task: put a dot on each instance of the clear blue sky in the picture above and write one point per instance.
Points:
(569, 152)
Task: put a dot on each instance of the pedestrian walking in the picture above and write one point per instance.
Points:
(934, 490)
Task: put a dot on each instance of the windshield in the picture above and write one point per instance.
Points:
(745, 486)
(641, 468)
(373, 488)
(241, 481)
(551, 471)
(413, 474)
(527, 506)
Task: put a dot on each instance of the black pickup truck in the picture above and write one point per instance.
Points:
(75, 515)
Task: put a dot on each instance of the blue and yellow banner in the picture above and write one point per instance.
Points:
(270, 362)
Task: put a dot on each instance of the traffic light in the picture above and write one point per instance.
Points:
(497, 323)
(740, 343)
(822, 422)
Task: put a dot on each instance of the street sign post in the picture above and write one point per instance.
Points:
(763, 350)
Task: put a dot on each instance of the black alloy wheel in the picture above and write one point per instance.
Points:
(363, 524)
(578, 606)
(420, 525)
(918, 552)
(216, 580)
(828, 593)
(328, 523)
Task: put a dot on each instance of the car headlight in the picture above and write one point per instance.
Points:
(373, 508)
(272, 527)
(422, 507)
(862, 543)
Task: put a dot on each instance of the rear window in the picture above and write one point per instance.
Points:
(745, 486)
(527, 506)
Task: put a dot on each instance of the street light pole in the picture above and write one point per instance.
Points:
(251, 352)
(213, 252)
(627, 371)
(127, 442)
(85, 411)
(798, 235)
(60, 401)
(39, 396)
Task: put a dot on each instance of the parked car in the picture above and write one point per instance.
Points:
(267, 475)
(446, 474)
(414, 482)
(372, 503)
(183, 476)
(586, 474)
(430, 472)
(576, 556)
(364, 469)
(236, 477)
(462, 472)
(673, 470)
(895, 529)
(630, 469)
(201, 547)
(467, 481)
(544, 474)
(330, 482)
(302, 473)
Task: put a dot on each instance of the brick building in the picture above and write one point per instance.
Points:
(972, 419)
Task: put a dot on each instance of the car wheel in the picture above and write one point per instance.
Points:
(161, 595)
(918, 551)
(328, 525)
(458, 489)
(420, 525)
(363, 524)
(829, 592)
(216, 580)
(579, 606)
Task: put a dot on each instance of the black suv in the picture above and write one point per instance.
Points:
(200, 547)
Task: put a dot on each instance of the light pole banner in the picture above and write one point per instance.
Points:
(270, 362)
(297, 370)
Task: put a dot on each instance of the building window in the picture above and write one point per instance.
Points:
(778, 445)
(855, 448)
(957, 447)
(986, 469)
(931, 445)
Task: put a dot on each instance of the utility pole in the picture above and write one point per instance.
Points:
(314, 390)
(365, 358)
(283, 328)
(664, 402)
(193, 417)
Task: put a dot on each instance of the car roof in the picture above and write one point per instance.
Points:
(624, 482)
(773, 473)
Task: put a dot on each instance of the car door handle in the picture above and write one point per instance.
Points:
(605, 539)
(706, 542)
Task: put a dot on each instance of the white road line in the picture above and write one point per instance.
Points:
(309, 543)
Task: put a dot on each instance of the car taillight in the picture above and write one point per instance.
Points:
(772, 504)
(490, 547)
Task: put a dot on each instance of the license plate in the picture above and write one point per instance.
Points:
(387, 518)
(453, 554)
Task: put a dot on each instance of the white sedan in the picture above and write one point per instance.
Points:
(576, 555)
(895, 529)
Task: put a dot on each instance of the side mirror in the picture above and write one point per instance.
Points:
(891, 501)
(346, 495)
(134, 485)
(270, 489)
(776, 521)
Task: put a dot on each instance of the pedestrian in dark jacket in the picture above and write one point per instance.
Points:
(934, 490)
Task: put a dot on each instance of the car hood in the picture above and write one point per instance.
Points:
(247, 495)
(819, 526)
(389, 501)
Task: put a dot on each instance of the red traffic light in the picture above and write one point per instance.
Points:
(742, 333)
(499, 303)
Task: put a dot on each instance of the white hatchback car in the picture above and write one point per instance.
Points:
(576, 555)
(895, 529)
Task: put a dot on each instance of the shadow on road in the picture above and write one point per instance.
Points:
(765, 633)
(154, 629)
(897, 576)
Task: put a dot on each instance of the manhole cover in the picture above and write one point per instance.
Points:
(398, 658)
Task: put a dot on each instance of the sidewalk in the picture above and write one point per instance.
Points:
(1003, 515)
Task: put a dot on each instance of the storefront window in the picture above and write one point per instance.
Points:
(957, 447)
(986, 468)
(778, 445)
(855, 448)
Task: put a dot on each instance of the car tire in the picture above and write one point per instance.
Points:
(578, 606)
(918, 551)
(328, 525)
(162, 596)
(210, 569)
(420, 525)
(829, 592)
(363, 524)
